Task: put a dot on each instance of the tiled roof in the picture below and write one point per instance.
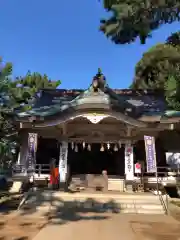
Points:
(48, 101)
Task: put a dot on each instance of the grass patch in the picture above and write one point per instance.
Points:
(177, 203)
(9, 202)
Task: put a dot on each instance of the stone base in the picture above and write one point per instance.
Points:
(129, 186)
(63, 187)
(16, 187)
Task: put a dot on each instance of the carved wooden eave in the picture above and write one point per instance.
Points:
(158, 118)
(67, 117)
(142, 126)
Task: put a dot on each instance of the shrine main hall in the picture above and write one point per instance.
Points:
(96, 130)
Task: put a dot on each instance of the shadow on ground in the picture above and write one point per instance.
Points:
(156, 230)
(58, 211)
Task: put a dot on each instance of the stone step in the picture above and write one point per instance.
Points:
(120, 210)
(100, 195)
(71, 204)
(143, 211)
(133, 203)
(104, 200)
(123, 207)
(95, 201)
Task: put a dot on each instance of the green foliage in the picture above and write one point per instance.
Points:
(174, 39)
(7, 128)
(159, 68)
(16, 94)
(131, 19)
(23, 88)
(172, 88)
(156, 65)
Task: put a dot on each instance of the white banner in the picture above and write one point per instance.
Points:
(129, 162)
(31, 154)
(63, 161)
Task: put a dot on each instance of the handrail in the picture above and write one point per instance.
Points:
(164, 171)
(164, 203)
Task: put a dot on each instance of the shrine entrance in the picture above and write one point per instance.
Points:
(94, 158)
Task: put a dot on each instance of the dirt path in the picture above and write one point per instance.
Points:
(72, 225)
(89, 226)
(114, 227)
(19, 228)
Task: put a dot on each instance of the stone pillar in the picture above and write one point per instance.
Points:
(63, 168)
(129, 167)
(19, 168)
(26, 161)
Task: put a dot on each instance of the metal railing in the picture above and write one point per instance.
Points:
(161, 171)
(38, 169)
(42, 169)
(164, 202)
(164, 171)
(164, 176)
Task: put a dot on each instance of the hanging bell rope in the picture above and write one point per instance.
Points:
(102, 148)
(89, 147)
(115, 148)
(76, 148)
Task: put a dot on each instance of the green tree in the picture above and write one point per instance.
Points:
(16, 94)
(156, 65)
(7, 103)
(132, 19)
(172, 92)
(24, 88)
(174, 39)
(159, 68)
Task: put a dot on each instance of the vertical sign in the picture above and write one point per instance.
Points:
(129, 162)
(63, 161)
(150, 154)
(31, 155)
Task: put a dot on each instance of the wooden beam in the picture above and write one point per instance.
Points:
(64, 129)
(95, 127)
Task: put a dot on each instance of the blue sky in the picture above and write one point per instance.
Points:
(63, 41)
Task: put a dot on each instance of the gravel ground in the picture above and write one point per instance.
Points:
(20, 228)
(14, 226)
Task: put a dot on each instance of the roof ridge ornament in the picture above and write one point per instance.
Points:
(99, 81)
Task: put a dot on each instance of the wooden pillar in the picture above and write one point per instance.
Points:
(23, 149)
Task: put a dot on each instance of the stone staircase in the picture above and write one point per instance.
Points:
(98, 202)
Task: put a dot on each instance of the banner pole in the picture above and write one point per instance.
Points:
(151, 160)
(155, 160)
(157, 182)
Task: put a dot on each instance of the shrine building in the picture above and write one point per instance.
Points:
(95, 130)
